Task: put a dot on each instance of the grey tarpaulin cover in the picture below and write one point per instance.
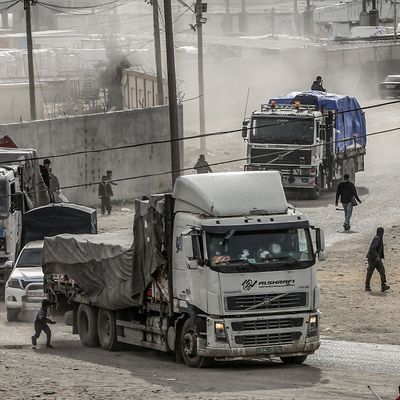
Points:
(108, 268)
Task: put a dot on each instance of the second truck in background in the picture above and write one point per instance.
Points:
(312, 138)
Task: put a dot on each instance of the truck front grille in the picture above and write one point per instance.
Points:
(269, 339)
(239, 303)
(35, 285)
(256, 325)
(276, 156)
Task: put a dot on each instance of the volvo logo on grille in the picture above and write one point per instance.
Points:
(248, 284)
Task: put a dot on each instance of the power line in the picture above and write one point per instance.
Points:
(79, 7)
(165, 141)
(81, 13)
(9, 6)
(277, 153)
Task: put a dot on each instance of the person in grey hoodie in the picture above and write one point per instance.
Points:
(375, 256)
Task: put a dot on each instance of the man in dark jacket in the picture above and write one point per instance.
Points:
(202, 166)
(375, 256)
(105, 193)
(347, 193)
(317, 84)
(41, 322)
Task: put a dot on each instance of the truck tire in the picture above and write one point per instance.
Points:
(12, 315)
(314, 193)
(293, 360)
(188, 347)
(107, 330)
(87, 325)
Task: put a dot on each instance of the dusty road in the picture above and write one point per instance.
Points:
(340, 370)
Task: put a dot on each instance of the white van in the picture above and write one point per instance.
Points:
(24, 288)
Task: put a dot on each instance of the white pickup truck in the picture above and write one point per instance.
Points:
(24, 288)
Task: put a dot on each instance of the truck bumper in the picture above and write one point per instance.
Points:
(264, 336)
(264, 352)
(292, 177)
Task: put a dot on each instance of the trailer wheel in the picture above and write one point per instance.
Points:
(12, 315)
(87, 325)
(293, 360)
(107, 330)
(188, 347)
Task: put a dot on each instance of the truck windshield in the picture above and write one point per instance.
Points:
(277, 249)
(30, 258)
(282, 131)
(5, 199)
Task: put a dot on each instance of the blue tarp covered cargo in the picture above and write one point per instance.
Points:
(350, 119)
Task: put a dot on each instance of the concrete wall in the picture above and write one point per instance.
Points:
(102, 131)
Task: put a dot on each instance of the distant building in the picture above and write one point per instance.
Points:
(139, 89)
(15, 105)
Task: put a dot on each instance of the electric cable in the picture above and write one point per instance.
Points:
(164, 141)
(277, 153)
(80, 7)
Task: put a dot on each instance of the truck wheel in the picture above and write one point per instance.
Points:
(188, 347)
(293, 360)
(12, 315)
(87, 325)
(107, 330)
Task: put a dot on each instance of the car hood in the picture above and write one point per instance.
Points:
(31, 273)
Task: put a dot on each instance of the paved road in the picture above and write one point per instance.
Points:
(338, 370)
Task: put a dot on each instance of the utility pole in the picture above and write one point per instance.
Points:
(200, 67)
(157, 49)
(32, 98)
(173, 105)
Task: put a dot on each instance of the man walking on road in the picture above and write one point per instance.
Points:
(348, 197)
(41, 322)
(375, 256)
(202, 166)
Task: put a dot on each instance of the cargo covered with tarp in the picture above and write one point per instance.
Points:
(110, 270)
(349, 116)
(57, 218)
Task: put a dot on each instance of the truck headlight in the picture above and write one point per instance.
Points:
(220, 332)
(14, 283)
(313, 325)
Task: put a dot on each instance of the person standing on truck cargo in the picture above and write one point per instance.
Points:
(317, 84)
(54, 187)
(41, 322)
(44, 171)
(375, 256)
(348, 197)
(105, 193)
(201, 165)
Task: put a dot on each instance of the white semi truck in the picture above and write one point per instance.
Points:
(223, 268)
(21, 188)
(312, 138)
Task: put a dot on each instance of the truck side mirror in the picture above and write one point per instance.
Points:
(245, 128)
(187, 246)
(320, 243)
(19, 201)
(8, 264)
